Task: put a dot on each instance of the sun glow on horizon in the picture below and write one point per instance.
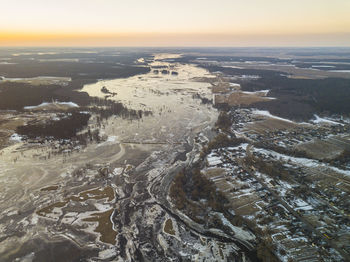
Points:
(175, 23)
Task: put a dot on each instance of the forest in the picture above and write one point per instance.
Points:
(65, 128)
(297, 99)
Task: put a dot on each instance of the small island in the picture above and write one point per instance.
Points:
(106, 91)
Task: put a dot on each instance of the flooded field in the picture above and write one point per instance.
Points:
(41, 80)
(85, 200)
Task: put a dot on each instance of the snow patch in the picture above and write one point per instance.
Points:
(239, 232)
(107, 253)
(324, 120)
(267, 113)
(118, 171)
(27, 258)
(69, 104)
(102, 207)
(16, 137)
(110, 140)
(260, 92)
(213, 160)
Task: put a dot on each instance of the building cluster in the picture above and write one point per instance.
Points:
(302, 214)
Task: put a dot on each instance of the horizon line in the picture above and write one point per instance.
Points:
(175, 46)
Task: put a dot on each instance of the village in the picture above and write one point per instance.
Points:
(267, 180)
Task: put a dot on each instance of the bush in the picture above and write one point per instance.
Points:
(224, 121)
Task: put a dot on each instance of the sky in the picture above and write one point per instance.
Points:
(175, 23)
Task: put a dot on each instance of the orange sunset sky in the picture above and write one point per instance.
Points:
(175, 23)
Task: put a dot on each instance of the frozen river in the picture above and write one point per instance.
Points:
(69, 201)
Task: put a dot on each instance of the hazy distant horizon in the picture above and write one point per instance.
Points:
(180, 23)
(174, 47)
(151, 40)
